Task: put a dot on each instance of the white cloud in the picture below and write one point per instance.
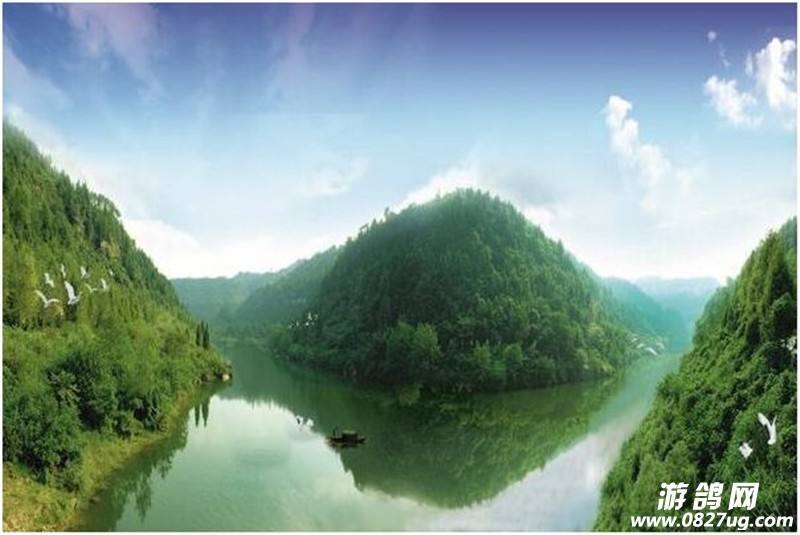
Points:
(171, 249)
(22, 83)
(334, 178)
(730, 103)
(624, 131)
(127, 31)
(711, 36)
(653, 169)
(774, 75)
(535, 201)
(774, 84)
(466, 174)
(178, 253)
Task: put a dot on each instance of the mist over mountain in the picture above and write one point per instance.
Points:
(687, 296)
(644, 314)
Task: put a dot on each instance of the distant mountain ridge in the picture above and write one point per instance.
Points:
(643, 314)
(287, 295)
(687, 296)
(655, 323)
(211, 298)
(252, 301)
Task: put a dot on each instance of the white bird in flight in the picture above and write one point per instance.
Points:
(84, 273)
(103, 285)
(45, 301)
(91, 290)
(745, 450)
(72, 297)
(771, 428)
(63, 272)
(110, 272)
(48, 280)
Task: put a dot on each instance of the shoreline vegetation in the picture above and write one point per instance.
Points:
(98, 353)
(29, 505)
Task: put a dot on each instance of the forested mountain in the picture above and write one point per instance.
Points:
(688, 297)
(744, 362)
(210, 298)
(656, 327)
(250, 302)
(287, 296)
(642, 314)
(95, 341)
(458, 294)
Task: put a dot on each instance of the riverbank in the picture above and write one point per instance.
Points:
(29, 505)
(253, 457)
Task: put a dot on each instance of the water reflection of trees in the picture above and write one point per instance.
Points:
(447, 455)
(134, 480)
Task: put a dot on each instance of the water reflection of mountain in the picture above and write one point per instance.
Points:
(135, 479)
(450, 455)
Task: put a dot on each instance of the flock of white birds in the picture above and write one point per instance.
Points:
(73, 297)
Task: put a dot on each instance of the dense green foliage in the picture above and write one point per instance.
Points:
(209, 299)
(202, 337)
(744, 361)
(112, 362)
(459, 294)
(643, 315)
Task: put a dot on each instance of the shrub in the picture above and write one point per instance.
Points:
(38, 431)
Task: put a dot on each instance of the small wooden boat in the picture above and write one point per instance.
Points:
(345, 438)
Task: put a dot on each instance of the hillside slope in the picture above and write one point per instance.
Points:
(744, 362)
(111, 361)
(688, 297)
(459, 294)
(642, 314)
(212, 298)
(288, 296)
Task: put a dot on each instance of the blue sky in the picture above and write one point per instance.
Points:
(651, 139)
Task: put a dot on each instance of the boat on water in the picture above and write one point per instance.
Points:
(345, 438)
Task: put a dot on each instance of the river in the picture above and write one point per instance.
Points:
(253, 456)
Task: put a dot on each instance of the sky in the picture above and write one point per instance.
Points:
(652, 140)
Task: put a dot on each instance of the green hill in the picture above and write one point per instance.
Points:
(112, 362)
(459, 294)
(744, 362)
(213, 298)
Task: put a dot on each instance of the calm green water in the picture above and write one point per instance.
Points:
(252, 456)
